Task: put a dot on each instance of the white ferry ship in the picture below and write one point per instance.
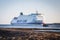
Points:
(33, 18)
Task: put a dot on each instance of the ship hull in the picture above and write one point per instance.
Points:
(26, 24)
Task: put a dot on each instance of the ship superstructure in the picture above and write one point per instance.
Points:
(27, 19)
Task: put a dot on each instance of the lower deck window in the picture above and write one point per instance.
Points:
(21, 21)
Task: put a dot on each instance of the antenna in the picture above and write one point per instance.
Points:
(39, 13)
(36, 11)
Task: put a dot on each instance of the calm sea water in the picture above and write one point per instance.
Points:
(28, 26)
(55, 27)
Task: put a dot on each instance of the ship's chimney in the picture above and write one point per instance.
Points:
(21, 13)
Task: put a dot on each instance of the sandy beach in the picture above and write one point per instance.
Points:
(25, 34)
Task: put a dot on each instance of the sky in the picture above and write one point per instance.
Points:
(50, 9)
